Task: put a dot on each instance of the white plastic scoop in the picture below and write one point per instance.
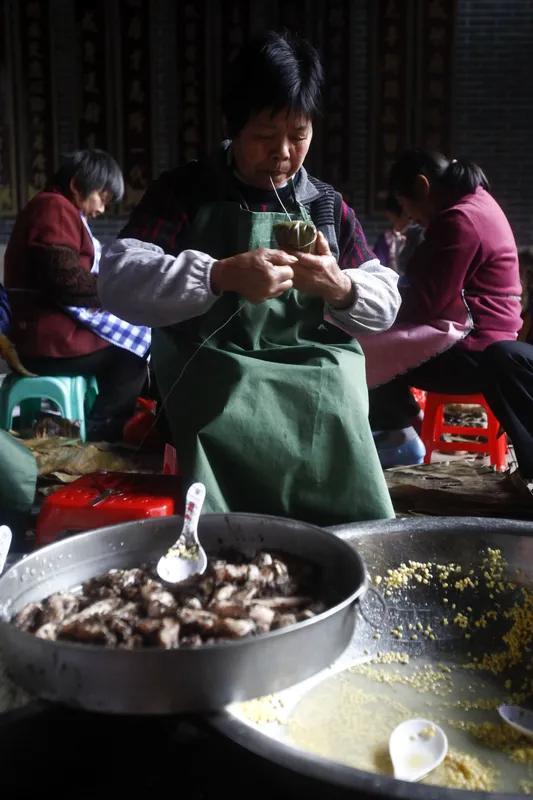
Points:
(186, 557)
(416, 747)
(5, 544)
(521, 719)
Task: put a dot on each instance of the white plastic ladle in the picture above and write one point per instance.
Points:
(186, 557)
(5, 544)
(416, 747)
(521, 719)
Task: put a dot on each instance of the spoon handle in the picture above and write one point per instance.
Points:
(5, 544)
(193, 506)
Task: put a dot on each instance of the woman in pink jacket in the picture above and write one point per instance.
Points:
(462, 294)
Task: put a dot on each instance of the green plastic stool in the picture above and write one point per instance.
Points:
(74, 397)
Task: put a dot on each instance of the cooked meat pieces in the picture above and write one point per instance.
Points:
(30, 617)
(133, 608)
(62, 604)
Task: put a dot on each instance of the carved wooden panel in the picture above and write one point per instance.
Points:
(35, 96)
(411, 79)
(436, 28)
(135, 88)
(235, 20)
(8, 177)
(229, 30)
(391, 89)
(335, 127)
(193, 85)
(93, 122)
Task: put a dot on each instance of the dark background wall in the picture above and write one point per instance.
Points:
(493, 100)
(155, 88)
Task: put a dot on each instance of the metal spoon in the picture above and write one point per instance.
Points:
(416, 747)
(5, 544)
(186, 557)
(521, 719)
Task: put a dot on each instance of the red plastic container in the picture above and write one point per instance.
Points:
(107, 498)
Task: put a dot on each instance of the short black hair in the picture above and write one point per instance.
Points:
(92, 170)
(275, 71)
(457, 175)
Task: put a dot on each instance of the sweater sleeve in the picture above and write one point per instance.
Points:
(58, 274)
(142, 284)
(376, 297)
(376, 302)
(437, 271)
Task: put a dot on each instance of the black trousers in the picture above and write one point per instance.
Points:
(456, 371)
(507, 369)
(120, 374)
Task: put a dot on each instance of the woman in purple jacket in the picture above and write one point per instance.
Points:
(463, 294)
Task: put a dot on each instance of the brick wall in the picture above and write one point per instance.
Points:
(493, 102)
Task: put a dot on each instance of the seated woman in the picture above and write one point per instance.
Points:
(462, 294)
(58, 325)
(266, 398)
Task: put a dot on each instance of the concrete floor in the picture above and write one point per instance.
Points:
(456, 483)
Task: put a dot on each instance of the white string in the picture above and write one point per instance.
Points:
(298, 223)
(178, 379)
(279, 198)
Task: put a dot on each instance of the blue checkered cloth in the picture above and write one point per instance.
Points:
(135, 338)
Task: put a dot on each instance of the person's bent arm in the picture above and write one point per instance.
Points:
(140, 283)
(376, 299)
(360, 294)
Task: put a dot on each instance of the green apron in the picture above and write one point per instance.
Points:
(272, 412)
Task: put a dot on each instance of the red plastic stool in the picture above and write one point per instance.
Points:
(420, 396)
(140, 428)
(107, 498)
(433, 426)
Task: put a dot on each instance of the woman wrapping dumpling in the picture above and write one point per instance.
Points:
(264, 393)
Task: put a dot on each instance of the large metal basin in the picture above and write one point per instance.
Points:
(384, 545)
(156, 681)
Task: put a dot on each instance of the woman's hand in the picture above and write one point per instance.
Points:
(321, 276)
(256, 275)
